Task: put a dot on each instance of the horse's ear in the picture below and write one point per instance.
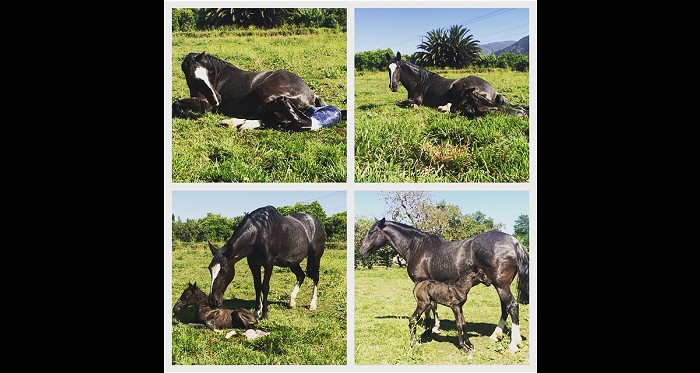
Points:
(213, 249)
(388, 56)
(199, 56)
(398, 55)
(381, 222)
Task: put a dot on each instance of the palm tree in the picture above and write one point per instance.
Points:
(245, 17)
(452, 48)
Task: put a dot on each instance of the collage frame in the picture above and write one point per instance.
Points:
(350, 187)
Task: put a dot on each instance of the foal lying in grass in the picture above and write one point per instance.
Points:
(430, 292)
(217, 319)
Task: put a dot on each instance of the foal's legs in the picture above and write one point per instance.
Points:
(422, 305)
(509, 306)
(464, 342)
(296, 269)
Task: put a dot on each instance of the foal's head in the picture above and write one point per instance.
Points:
(222, 272)
(189, 297)
(394, 71)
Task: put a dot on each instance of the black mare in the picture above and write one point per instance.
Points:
(270, 98)
(429, 257)
(214, 319)
(269, 239)
(470, 95)
(429, 293)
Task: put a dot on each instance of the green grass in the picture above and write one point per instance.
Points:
(394, 144)
(297, 336)
(384, 302)
(204, 151)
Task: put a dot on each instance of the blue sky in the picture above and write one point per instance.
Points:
(196, 204)
(400, 28)
(501, 206)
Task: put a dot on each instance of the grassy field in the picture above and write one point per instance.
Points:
(394, 144)
(297, 336)
(205, 151)
(384, 302)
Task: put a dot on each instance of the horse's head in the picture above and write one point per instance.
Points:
(222, 273)
(394, 71)
(188, 298)
(374, 239)
(199, 71)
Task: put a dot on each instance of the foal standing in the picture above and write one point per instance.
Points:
(430, 292)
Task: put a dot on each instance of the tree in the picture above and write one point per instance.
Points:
(521, 230)
(452, 48)
(247, 17)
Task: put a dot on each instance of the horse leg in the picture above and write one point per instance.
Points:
(421, 307)
(296, 269)
(464, 342)
(436, 324)
(266, 290)
(194, 104)
(509, 306)
(313, 263)
(257, 283)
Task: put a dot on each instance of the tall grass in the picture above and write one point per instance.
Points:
(394, 144)
(297, 336)
(384, 302)
(204, 151)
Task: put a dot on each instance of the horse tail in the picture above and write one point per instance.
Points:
(523, 274)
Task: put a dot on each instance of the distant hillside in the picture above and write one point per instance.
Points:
(490, 48)
(521, 47)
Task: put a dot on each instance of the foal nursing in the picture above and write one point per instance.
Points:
(430, 292)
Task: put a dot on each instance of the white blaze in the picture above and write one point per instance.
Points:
(214, 272)
(392, 70)
(201, 74)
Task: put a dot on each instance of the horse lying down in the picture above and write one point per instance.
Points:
(429, 293)
(218, 319)
(253, 99)
(471, 95)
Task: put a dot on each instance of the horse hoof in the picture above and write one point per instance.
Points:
(436, 330)
(232, 123)
(313, 307)
(230, 334)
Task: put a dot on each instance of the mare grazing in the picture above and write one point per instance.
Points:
(215, 319)
(253, 98)
(429, 257)
(470, 95)
(269, 239)
(430, 292)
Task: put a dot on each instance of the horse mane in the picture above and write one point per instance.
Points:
(423, 74)
(417, 233)
(218, 64)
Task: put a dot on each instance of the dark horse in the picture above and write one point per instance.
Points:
(269, 239)
(269, 98)
(429, 257)
(429, 293)
(471, 95)
(213, 319)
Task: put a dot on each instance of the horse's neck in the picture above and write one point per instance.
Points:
(240, 245)
(399, 241)
(202, 303)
